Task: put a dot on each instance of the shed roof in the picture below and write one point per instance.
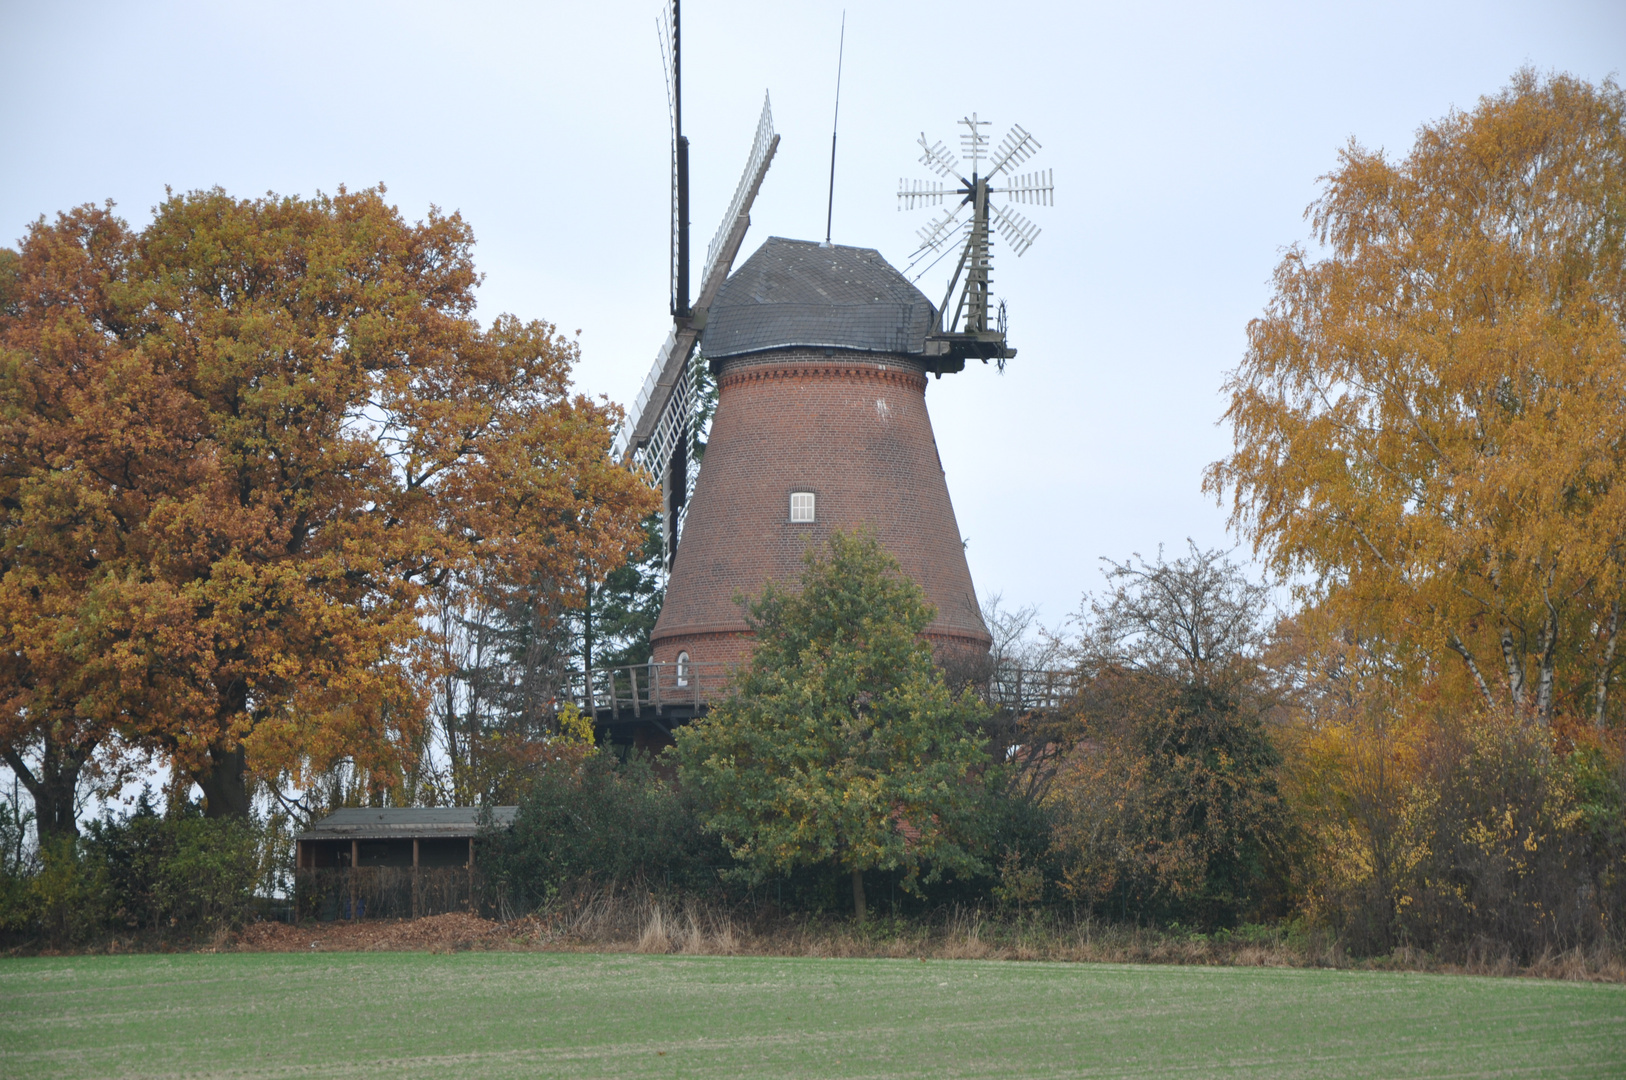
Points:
(405, 823)
(800, 293)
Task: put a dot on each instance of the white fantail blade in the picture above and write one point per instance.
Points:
(1015, 148)
(1036, 188)
(973, 142)
(913, 193)
(940, 230)
(938, 158)
(1018, 231)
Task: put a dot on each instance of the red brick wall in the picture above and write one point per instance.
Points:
(850, 427)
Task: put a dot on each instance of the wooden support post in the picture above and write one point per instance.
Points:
(355, 861)
(471, 874)
(299, 864)
(632, 673)
(414, 877)
(655, 686)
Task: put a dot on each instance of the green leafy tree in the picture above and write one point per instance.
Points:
(842, 743)
(618, 613)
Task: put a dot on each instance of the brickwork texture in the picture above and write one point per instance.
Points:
(850, 427)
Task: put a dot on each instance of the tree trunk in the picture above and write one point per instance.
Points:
(54, 787)
(1515, 668)
(587, 631)
(1473, 669)
(858, 895)
(1600, 689)
(1549, 656)
(225, 784)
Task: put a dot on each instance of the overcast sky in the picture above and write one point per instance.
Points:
(1186, 142)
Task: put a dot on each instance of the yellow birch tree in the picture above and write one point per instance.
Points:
(1430, 420)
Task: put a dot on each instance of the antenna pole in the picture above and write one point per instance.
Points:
(830, 208)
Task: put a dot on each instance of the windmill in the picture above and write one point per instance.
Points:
(659, 432)
(821, 354)
(981, 337)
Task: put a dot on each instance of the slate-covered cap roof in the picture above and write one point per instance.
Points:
(800, 293)
(404, 823)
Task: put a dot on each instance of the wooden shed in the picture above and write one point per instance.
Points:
(430, 836)
(397, 861)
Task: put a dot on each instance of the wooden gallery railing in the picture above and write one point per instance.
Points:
(647, 691)
(655, 691)
(1016, 689)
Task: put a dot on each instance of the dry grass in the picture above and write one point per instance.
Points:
(605, 921)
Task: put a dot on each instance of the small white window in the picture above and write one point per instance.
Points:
(683, 669)
(801, 506)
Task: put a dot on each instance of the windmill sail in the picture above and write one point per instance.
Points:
(669, 30)
(659, 427)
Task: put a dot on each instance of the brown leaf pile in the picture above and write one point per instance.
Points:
(453, 932)
(608, 923)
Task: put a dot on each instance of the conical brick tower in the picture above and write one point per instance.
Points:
(821, 356)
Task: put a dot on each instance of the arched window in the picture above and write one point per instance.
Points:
(683, 669)
(801, 506)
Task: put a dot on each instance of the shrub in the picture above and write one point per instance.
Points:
(64, 901)
(1169, 808)
(600, 821)
(1482, 840)
(180, 873)
(1502, 851)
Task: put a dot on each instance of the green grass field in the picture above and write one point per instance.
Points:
(569, 1015)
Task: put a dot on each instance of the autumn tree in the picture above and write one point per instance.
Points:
(1167, 802)
(241, 448)
(59, 360)
(507, 653)
(8, 280)
(1197, 619)
(841, 743)
(1428, 421)
(503, 663)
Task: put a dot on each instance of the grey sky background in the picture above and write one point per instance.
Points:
(1186, 141)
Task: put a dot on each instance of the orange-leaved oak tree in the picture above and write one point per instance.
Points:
(52, 730)
(1430, 419)
(243, 445)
